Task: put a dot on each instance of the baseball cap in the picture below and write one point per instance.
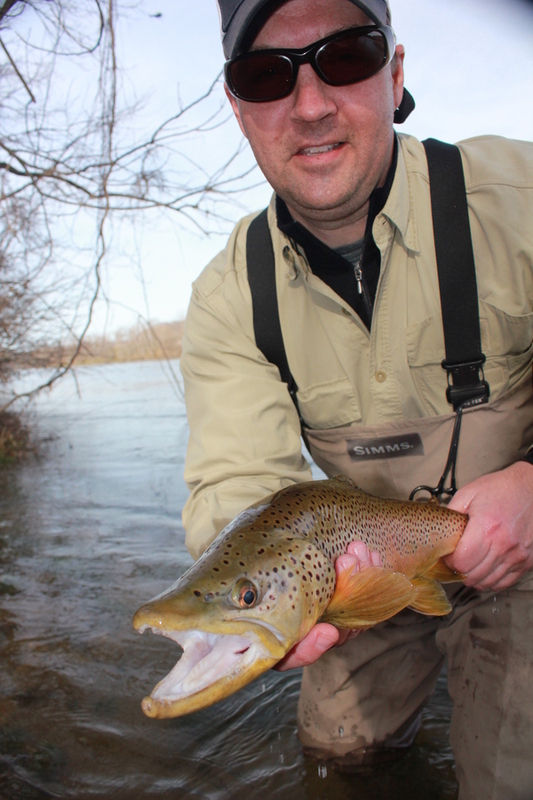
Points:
(236, 16)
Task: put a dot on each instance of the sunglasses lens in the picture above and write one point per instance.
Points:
(352, 58)
(260, 78)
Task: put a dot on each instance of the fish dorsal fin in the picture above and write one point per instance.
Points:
(430, 599)
(441, 572)
(364, 598)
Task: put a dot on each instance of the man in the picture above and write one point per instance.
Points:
(360, 312)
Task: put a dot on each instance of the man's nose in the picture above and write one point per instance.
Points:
(312, 98)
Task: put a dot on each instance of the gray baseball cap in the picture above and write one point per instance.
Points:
(236, 16)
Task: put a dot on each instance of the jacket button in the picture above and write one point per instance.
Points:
(381, 376)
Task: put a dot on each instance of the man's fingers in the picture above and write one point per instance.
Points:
(321, 638)
(367, 558)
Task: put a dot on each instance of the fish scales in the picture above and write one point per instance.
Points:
(333, 516)
(270, 576)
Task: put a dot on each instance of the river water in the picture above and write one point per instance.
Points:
(89, 530)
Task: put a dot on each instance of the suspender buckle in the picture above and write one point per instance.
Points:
(467, 386)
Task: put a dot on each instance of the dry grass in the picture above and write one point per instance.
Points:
(144, 342)
(14, 439)
(153, 342)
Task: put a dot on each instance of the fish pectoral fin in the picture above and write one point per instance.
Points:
(364, 598)
(431, 598)
(442, 573)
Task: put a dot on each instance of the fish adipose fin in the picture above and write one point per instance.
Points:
(367, 597)
(442, 573)
(430, 599)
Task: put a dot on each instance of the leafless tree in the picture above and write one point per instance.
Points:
(69, 168)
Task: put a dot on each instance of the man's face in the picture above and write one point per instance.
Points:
(323, 148)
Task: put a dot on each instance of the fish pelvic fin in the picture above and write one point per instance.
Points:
(430, 598)
(441, 572)
(369, 596)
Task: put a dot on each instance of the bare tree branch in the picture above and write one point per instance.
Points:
(69, 166)
(6, 51)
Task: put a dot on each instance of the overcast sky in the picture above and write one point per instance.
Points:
(469, 65)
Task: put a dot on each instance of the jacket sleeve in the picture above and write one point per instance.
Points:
(244, 440)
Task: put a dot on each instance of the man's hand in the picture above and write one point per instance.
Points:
(497, 546)
(324, 636)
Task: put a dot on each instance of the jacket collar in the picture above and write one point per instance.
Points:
(399, 206)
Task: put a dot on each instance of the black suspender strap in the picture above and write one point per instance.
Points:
(262, 279)
(457, 277)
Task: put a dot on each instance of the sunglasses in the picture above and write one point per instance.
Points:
(349, 56)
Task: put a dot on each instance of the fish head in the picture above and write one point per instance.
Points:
(236, 612)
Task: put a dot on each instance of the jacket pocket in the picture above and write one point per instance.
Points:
(506, 341)
(329, 405)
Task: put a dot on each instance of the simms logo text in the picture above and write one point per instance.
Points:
(391, 447)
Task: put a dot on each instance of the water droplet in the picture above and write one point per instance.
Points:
(279, 735)
(316, 725)
(322, 771)
(263, 688)
(333, 696)
(281, 758)
(495, 609)
(341, 731)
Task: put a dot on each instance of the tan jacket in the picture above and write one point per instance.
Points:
(244, 431)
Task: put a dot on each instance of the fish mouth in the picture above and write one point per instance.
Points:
(212, 666)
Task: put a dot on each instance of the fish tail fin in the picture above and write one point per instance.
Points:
(442, 573)
(430, 598)
(364, 598)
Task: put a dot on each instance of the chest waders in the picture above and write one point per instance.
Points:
(464, 360)
(374, 688)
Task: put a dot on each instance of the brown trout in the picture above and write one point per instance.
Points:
(270, 576)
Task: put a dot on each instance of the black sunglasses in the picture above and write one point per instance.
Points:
(343, 58)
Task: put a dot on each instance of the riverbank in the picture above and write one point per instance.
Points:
(152, 341)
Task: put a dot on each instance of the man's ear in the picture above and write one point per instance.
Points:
(397, 75)
(235, 106)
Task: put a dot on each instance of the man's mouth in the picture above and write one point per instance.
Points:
(319, 149)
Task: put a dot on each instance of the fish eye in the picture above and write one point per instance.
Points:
(244, 594)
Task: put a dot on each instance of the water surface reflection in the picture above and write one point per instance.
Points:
(88, 532)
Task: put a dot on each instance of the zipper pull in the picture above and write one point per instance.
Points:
(359, 278)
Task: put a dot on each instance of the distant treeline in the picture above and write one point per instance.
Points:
(143, 342)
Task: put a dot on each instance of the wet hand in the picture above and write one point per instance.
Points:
(497, 546)
(324, 636)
